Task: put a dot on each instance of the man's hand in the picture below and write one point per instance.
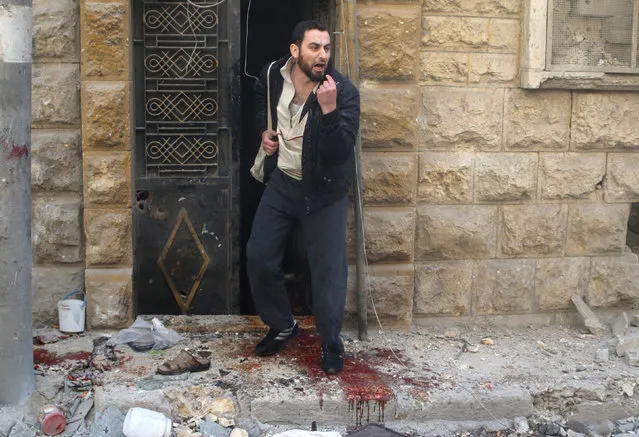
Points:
(327, 95)
(268, 144)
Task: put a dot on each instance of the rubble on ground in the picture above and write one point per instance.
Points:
(579, 383)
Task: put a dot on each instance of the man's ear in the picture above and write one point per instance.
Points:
(295, 51)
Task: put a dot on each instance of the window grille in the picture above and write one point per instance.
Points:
(592, 35)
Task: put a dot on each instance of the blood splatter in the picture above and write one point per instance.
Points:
(17, 152)
(44, 357)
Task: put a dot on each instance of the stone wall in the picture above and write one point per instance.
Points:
(483, 198)
(56, 165)
(480, 198)
(106, 143)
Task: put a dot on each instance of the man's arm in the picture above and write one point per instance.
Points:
(338, 128)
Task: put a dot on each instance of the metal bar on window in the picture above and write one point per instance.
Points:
(549, 24)
(635, 30)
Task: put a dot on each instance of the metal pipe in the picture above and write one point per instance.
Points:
(349, 17)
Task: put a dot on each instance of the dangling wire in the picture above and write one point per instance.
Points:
(248, 14)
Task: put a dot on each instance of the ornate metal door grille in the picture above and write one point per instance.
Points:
(181, 88)
(185, 161)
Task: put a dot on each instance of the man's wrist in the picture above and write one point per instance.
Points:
(329, 109)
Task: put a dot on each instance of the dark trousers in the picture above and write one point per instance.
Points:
(324, 237)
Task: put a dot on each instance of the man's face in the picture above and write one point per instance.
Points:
(314, 54)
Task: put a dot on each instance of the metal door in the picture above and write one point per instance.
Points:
(185, 158)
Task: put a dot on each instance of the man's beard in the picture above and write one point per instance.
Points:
(308, 70)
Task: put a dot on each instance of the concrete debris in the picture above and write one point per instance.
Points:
(212, 429)
(633, 358)
(572, 433)
(634, 319)
(602, 355)
(628, 389)
(487, 341)
(303, 433)
(620, 325)
(591, 321)
(521, 425)
(253, 426)
(239, 432)
(108, 423)
(78, 412)
(451, 333)
(8, 418)
(578, 426)
(21, 429)
(226, 422)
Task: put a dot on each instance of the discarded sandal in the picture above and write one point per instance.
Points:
(182, 363)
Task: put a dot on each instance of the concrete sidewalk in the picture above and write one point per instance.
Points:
(424, 382)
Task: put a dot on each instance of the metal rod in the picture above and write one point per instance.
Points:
(349, 16)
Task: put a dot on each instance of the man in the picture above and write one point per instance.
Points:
(315, 115)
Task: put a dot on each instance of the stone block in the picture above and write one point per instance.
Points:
(456, 232)
(388, 41)
(533, 230)
(571, 176)
(503, 36)
(389, 235)
(537, 120)
(56, 161)
(57, 230)
(605, 121)
(55, 95)
(597, 229)
(109, 298)
(389, 178)
(622, 178)
(558, 279)
(503, 286)
(443, 288)
(506, 177)
(454, 33)
(107, 178)
(444, 68)
(56, 30)
(460, 118)
(105, 116)
(105, 40)
(48, 286)
(389, 117)
(108, 237)
(495, 8)
(492, 69)
(446, 177)
(613, 281)
(392, 289)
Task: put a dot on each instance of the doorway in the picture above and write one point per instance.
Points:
(266, 36)
(194, 199)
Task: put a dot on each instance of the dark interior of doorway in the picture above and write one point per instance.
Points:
(269, 35)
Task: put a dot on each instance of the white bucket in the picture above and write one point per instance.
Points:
(71, 315)
(140, 422)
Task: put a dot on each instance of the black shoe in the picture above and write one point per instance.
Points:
(332, 358)
(275, 340)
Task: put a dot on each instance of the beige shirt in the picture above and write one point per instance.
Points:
(290, 127)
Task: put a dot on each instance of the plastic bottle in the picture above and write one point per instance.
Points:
(140, 422)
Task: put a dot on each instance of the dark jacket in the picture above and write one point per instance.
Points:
(328, 163)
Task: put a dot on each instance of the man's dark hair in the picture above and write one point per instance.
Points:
(303, 26)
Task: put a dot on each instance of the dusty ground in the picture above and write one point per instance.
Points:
(429, 381)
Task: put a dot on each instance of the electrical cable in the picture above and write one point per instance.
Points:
(248, 14)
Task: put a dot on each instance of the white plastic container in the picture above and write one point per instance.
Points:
(71, 314)
(140, 422)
